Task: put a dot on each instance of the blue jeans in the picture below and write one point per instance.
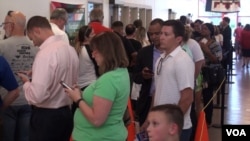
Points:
(186, 134)
(16, 121)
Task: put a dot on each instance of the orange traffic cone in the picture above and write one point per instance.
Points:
(201, 130)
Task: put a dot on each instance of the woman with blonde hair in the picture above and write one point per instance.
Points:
(141, 36)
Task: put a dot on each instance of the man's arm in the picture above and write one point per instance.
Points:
(198, 66)
(10, 97)
(8, 81)
(186, 99)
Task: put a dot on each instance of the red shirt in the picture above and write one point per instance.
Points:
(98, 27)
(245, 39)
(237, 33)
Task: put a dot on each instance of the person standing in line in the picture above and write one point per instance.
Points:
(117, 27)
(217, 35)
(227, 43)
(192, 46)
(245, 44)
(96, 21)
(174, 74)
(196, 35)
(237, 35)
(58, 20)
(130, 35)
(169, 119)
(88, 69)
(144, 71)
(8, 82)
(213, 56)
(102, 104)
(19, 52)
(141, 36)
(56, 61)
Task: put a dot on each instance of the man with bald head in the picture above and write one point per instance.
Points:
(19, 52)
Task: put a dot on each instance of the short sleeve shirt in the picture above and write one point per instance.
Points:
(113, 86)
(7, 79)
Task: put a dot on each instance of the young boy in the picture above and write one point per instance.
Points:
(165, 123)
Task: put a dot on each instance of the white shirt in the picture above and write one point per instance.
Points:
(177, 73)
(57, 31)
(195, 49)
(87, 69)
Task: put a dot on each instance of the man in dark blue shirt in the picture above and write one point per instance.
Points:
(7, 81)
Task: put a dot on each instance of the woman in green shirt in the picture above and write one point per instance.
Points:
(102, 104)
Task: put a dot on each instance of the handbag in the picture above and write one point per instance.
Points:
(131, 125)
(213, 75)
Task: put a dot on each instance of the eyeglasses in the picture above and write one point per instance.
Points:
(6, 23)
(159, 66)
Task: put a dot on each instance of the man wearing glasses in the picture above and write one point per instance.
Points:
(174, 74)
(19, 52)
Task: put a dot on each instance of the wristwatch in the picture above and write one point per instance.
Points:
(78, 101)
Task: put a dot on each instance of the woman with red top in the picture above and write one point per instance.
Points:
(237, 35)
(245, 45)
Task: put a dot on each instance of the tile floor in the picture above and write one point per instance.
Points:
(237, 101)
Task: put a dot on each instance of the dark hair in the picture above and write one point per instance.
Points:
(247, 27)
(157, 21)
(173, 112)
(117, 24)
(226, 19)
(239, 24)
(198, 21)
(130, 29)
(178, 27)
(110, 46)
(137, 23)
(38, 21)
(83, 32)
(210, 28)
(183, 20)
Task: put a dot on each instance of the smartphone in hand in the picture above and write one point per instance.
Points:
(65, 85)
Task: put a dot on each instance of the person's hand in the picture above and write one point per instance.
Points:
(147, 73)
(205, 46)
(74, 94)
(23, 76)
(28, 72)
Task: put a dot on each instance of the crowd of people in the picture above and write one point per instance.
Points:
(171, 61)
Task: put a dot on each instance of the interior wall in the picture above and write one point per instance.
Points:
(28, 7)
(160, 9)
